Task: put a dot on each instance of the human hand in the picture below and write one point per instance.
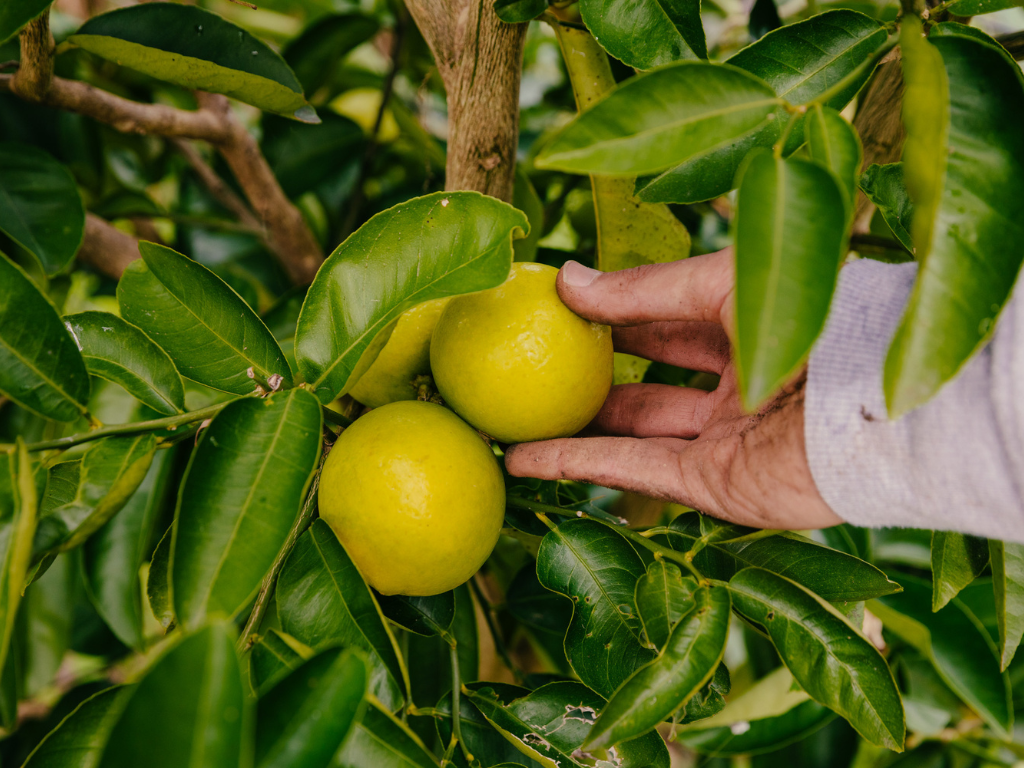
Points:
(674, 443)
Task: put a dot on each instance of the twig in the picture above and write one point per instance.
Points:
(252, 626)
(336, 418)
(216, 185)
(107, 249)
(35, 73)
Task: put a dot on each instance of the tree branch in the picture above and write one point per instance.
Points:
(216, 186)
(880, 126)
(34, 75)
(107, 249)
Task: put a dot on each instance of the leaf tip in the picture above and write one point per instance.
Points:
(306, 114)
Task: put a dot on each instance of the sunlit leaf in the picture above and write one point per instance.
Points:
(647, 33)
(835, 145)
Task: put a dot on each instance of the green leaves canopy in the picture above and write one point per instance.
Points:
(648, 33)
(427, 248)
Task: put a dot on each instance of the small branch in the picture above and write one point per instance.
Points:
(34, 75)
(216, 186)
(107, 249)
(336, 418)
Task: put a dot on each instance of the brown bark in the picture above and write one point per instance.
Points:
(107, 249)
(480, 60)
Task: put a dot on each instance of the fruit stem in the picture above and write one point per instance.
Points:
(336, 418)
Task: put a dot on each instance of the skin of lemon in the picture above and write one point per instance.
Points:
(416, 497)
(518, 364)
(404, 357)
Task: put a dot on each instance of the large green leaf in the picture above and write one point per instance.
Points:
(109, 473)
(303, 720)
(550, 725)
(661, 118)
(40, 208)
(978, 7)
(240, 496)
(305, 156)
(835, 145)
(958, 646)
(195, 696)
(829, 573)
(1008, 585)
(884, 186)
(40, 367)
(18, 510)
(659, 689)
(961, 233)
(380, 740)
(81, 737)
(272, 658)
(772, 713)
(957, 560)
(112, 557)
(119, 352)
(15, 14)
(207, 329)
(45, 626)
(597, 569)
(315, 53)
(647, 33)
(799, 61)
(662, 597)
(830, 659)
(322, 600)
(427, 248)
(196, 49)
(790, 238)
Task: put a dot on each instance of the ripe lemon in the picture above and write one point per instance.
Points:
(404, 357)
(518, 364)
(416, 497)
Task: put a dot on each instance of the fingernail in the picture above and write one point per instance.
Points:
(578, 276)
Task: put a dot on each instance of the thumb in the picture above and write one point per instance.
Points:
(697, 288)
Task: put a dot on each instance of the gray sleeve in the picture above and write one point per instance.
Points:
(956, 463)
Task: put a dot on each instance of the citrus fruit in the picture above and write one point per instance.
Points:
(416, 497)
(404, 357)
(518, 364)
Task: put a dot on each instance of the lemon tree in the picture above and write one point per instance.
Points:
(277, 290)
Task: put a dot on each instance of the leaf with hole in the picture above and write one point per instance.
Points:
(241, 493)
(208, 330)
(429, 247)
(198, 50)
(119, 352)
(41, 368)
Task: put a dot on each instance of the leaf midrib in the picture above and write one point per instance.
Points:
(43, 376)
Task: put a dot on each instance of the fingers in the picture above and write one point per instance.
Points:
(644, 466)
(697, 288)
(696, 345)
(653, 410)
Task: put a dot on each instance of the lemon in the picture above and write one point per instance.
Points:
(416, 497)
(404, 357)
(518, 364)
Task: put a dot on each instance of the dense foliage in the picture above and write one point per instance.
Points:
(168, 595)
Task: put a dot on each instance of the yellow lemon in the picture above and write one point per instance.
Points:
(518, 364)
(416, 497)
(404, 357)
(361, 105)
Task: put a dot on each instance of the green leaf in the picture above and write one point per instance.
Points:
(830, 659)
(198, 50)
(227, 533)
(158, 583)
(303, 720)
(119, 352)
(196, 695)
(18, 510)
(790, 239)
(304, 156)
(426, 248)
(40, 208)
(550, 724)
(314, 54)
(514, 11)
(110, 472)
(81, 737)
(15, 14)
(979, 7)
(957, 645)
(661, 688)
(483, 741)
(1008, 585)
(273, 657)
(41, 369)
(947, 28)
(525, 198)
(799, 62)
(772, 713)
(45, 626)
(964, 166)
(957, 560)
(322, 601)
(431, 615)
(662, 597)
(884, 186)
(598, 570)
(380, 740)
(535, 606)
(649, 33)
(709, 700)
(208, 330)
(113, 556)
(835, 145)
(661, 118)
(832, 575)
